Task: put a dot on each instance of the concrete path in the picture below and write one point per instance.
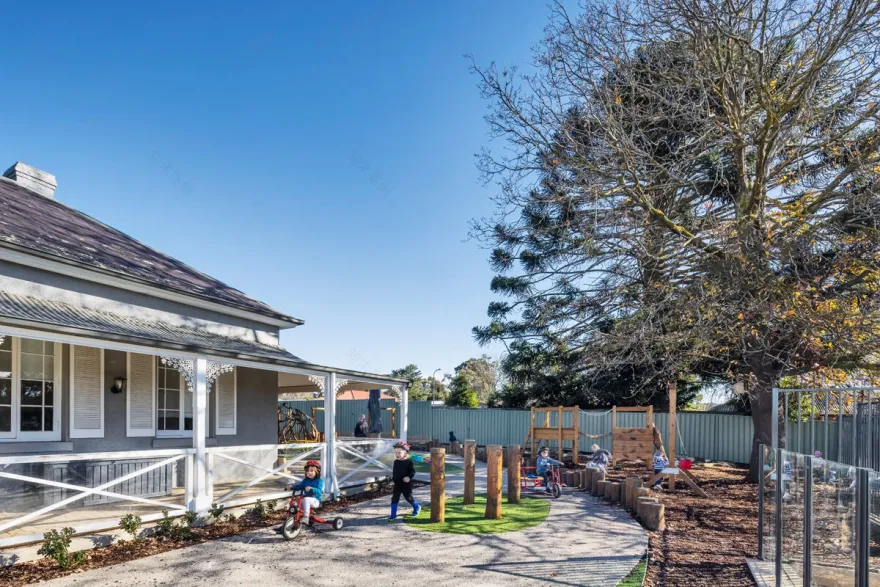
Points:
(582, 542)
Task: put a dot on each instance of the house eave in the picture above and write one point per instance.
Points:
(70, 335)
(30, 258)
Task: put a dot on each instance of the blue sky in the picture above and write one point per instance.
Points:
(317, 156)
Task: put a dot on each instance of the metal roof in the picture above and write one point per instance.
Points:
(39, 225)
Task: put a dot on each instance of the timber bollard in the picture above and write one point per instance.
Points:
(513, 473)
(654, 516)
(438, 484)
(640, 506)
(636, 494)
(455, 448)
(630, 486)
(470, 456)
(603, 488)
(598, 476)
(493, 482)
(612, 493)
(588, 485)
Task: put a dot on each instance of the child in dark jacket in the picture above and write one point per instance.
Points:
(402, 476)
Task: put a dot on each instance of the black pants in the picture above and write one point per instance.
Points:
(547, 475)
(404, 489)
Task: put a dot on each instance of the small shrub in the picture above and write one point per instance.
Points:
(185, 529)
(132, 525)
(258, 511)
(165, 527)
(56, 546)
(270, 507)
(383, 483)
(230, 518)
(216, 511)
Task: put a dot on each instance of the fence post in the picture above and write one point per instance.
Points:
(761, 449)
(780, 467)
(775, 428)
(807, 573)
(863, 528)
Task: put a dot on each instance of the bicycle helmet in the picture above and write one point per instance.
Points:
(402, 446)
(315, 464)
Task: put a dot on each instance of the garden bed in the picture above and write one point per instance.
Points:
(32, 572)
(706, 541)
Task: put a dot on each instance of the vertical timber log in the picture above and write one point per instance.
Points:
(493, 482)
(470, 457)
(514, 457)
(438, 484)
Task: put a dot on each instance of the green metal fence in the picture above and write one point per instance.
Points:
(702, 435)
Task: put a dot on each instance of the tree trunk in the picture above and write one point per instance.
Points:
(761, 400)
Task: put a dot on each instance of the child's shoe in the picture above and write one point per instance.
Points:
(658, 487)
(417, 509)
(393, 515)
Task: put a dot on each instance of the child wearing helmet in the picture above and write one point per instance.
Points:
(543, 464)
(312, 487)
(402, 476)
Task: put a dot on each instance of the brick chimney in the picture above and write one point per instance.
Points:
(33, 179)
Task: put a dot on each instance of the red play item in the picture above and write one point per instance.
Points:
(685, 464)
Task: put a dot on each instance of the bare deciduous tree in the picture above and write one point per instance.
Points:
(691, 186)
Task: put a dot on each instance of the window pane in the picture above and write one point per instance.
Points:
(5, 364)
(31, 419)
(31, 393)
(172, 379)
(172, 399)
(6, 345)
(6, 391)
(29, 345)
(49, 349)
(160, 399)
(50, 394)
(31, 366)
(5, 419)
(47, 420)
(172, 421)
(160, 377)
(49, 368)
(188, 422)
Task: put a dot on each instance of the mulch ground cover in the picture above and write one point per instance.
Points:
(706, 541)
(43, 570)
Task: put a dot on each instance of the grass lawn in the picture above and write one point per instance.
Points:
(462, 519)
(426, 467)
(636, 576)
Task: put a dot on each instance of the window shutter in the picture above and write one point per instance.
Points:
(141, 395)
(86, 392)
(225, 389)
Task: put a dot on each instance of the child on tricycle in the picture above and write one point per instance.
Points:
(543, 467)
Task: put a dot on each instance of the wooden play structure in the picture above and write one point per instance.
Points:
(635, 443)
(559, 433)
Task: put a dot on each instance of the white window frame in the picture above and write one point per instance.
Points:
(74, 432)
(226, 431)
(15, 434)
(180, 433)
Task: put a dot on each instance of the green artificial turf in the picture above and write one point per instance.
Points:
(422, 467)
(636, 576)
(470, 519)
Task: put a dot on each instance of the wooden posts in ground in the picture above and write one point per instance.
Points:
(598, 476)
(438, 484)
(493, 482)
(603, 488)
(629, 488)
(588, 483)
(654, 516)
(514, 457)
(612, 492)
(470, 457)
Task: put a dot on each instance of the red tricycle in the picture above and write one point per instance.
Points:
(292, 526)
(531, 482)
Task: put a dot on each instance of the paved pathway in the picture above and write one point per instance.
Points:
(582, 542)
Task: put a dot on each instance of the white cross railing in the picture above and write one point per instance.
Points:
(345, 447)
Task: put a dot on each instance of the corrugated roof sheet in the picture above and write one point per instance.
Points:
(59, 314)
(46, 226)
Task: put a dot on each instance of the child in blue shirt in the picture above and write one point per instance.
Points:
(660, 462)
(312, 487)
(542, 467)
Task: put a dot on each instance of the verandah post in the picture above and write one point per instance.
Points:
(330, 433)
(404, 412)
(201, 501)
